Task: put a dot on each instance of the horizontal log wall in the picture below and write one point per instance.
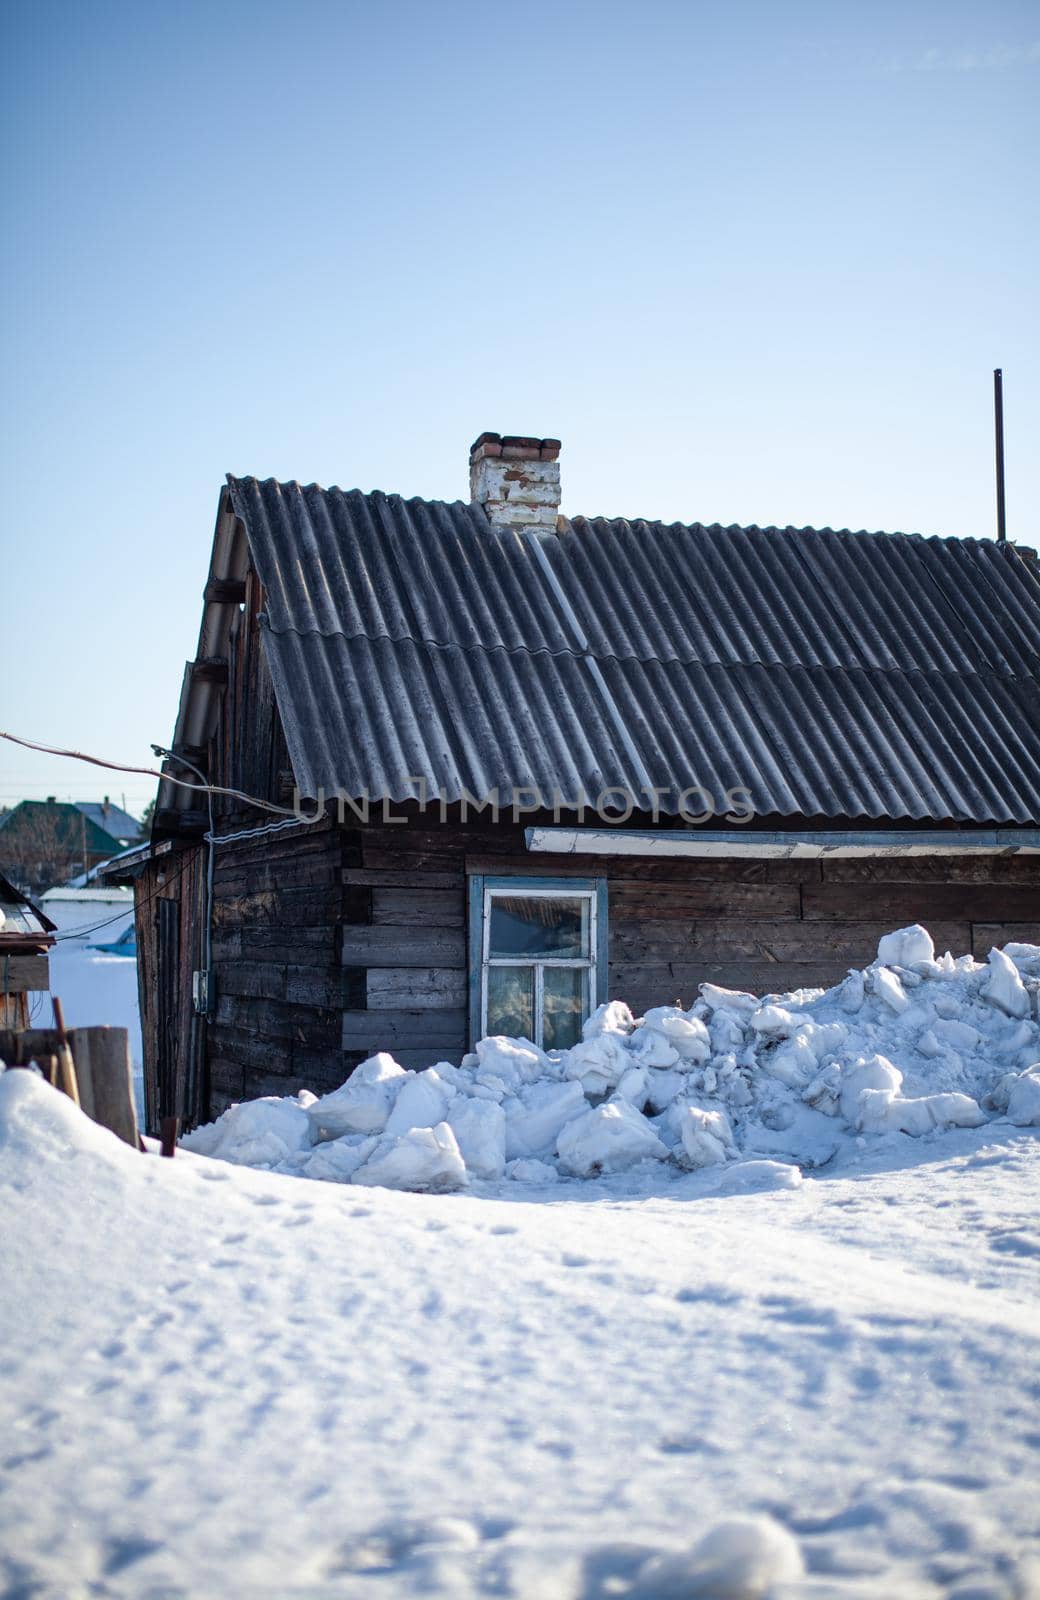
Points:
(768, 926)
(404, 945)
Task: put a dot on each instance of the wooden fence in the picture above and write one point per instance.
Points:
(91, 1065)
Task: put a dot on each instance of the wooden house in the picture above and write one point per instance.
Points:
(26, 937)
(47, 842)
(560, 759)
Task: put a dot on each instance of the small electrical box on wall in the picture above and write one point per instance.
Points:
(200, 992)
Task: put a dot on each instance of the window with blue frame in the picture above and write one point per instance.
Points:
(537, 957)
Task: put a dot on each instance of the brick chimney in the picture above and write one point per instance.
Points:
(516, 480)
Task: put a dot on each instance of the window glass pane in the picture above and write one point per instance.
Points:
(526, 925)
(511, 1001)
(565, 1003)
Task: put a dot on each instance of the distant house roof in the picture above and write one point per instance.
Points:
(113, 820)
(832, 674)
(70, 828)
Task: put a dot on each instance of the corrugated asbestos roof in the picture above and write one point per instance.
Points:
(831, 674)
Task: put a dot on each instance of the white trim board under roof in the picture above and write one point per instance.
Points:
(783, 846)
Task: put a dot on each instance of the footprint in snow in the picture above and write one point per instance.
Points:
(798, 1312)
(714, 1293)
(1016, 1244)
(123, 1553)
(687, 1445)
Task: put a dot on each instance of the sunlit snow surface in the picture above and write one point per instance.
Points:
(739, 1301)
(225, 1382)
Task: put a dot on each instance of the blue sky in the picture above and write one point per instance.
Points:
(750, 262)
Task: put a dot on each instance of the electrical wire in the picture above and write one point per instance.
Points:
(151, 772)
(80, 933)
(270, 827)
(216, 838)
(292, 819)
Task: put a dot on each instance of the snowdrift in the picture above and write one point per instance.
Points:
(911, 1045)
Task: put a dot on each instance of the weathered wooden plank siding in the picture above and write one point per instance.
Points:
(280, 981)
(986, 935)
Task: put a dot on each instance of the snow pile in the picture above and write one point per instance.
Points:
(911, 1045)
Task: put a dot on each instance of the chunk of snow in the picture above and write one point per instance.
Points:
(535, 1116)
(422, 1103)
(707, 1138)
(852, 992)
(736, 1000)
(1026, 958)
(362, 1104)
(662, 1088)
(257, 1133)
(479, 1127)
(953, 1110)
(633, 1087)
(726, 1030)
(1004, 987)
(870, 1072)
(510, 1061)
(880, 1111)
(905, 946)
(608, 1138)
(532, 1171)
(687, 1035)
(598, 1064)
(652, 1048)
(423, 1159)
(798, 1058)
(612, 1017)
(1023, 1036)
(823, 1093)
(1023, 1106)
(745, 1558)
(889, 989)
(954, 1031)
(774, 1021)
(999, 1093)
(337, 1160)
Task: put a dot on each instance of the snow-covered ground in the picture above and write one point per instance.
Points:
(218, 1381)
(752, 1374)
